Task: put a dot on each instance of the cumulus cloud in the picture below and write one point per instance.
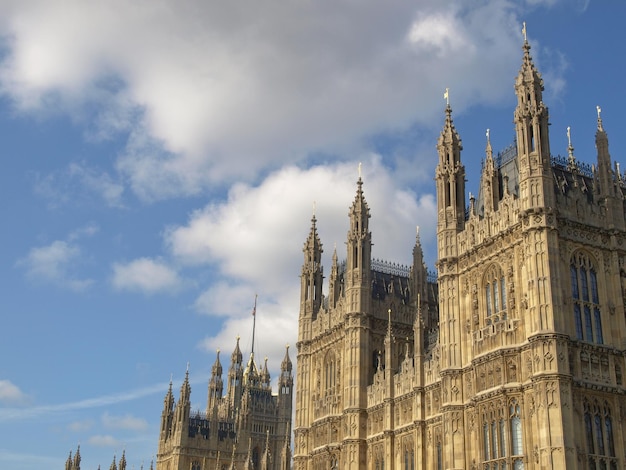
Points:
(124, 422)
(207, 93)
(55, 263)
(145, 275)
(10, 394)
(254, 240)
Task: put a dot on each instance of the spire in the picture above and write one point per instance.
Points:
(68, 462)
(168, 401)
(77, 459)
(113, 464)
(236, 357)
(489, 186)
(122, 464)
(531, 117)
(286, 365)
(605, 173)
(265, 374)
(359, 247)
(450, 175)
(216, 384)
(334, 285)
(185, 389)
(235, 378)
(312, 274)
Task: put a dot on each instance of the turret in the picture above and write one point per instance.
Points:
(167, 413)
(216, 385)
(312, 274)
(532, 136)
(609, 191)
(450, 182)
(419, 273)
(113, 464)
(358, 264)
(265, 376)
(235, 378)
(285, 386)
(334, 283)
(489, 186)
(183, 407)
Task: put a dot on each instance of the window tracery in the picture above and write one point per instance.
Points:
(502, 437)
(586, 300)
(494, 294)
(599, 436)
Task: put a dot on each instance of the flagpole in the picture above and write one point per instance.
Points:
(253, 322)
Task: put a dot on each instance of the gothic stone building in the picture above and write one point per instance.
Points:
(514, 359)
(248, 428)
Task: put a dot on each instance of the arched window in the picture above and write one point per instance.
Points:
(587, 314)
(195, 465)
(495, 294)
(502, 437)
(330, 370)
(599, 435)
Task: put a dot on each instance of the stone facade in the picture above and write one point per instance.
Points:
(247, 428)
(513, 357)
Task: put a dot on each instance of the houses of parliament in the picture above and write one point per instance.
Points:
(510, 356)
(513, 356)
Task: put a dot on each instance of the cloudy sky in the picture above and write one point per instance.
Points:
(161, 161)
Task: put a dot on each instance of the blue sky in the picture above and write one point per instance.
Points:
(161, 159)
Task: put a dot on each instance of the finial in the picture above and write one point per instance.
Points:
(187, 367)
(359, 170)
(217, 351)
(524, 32)
(313, 209)
(171, 378)
(599, 118)
(487, 134)
(446, 96)
(417, 231)
(569, 137)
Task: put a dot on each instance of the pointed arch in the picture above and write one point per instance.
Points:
(586, 298)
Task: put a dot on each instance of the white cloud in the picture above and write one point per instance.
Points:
(254, 239)
(79, 183)
(207, 92)
(124, 422)
(54, 263)
(11, 393)
(100, 440)
(145, 275)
